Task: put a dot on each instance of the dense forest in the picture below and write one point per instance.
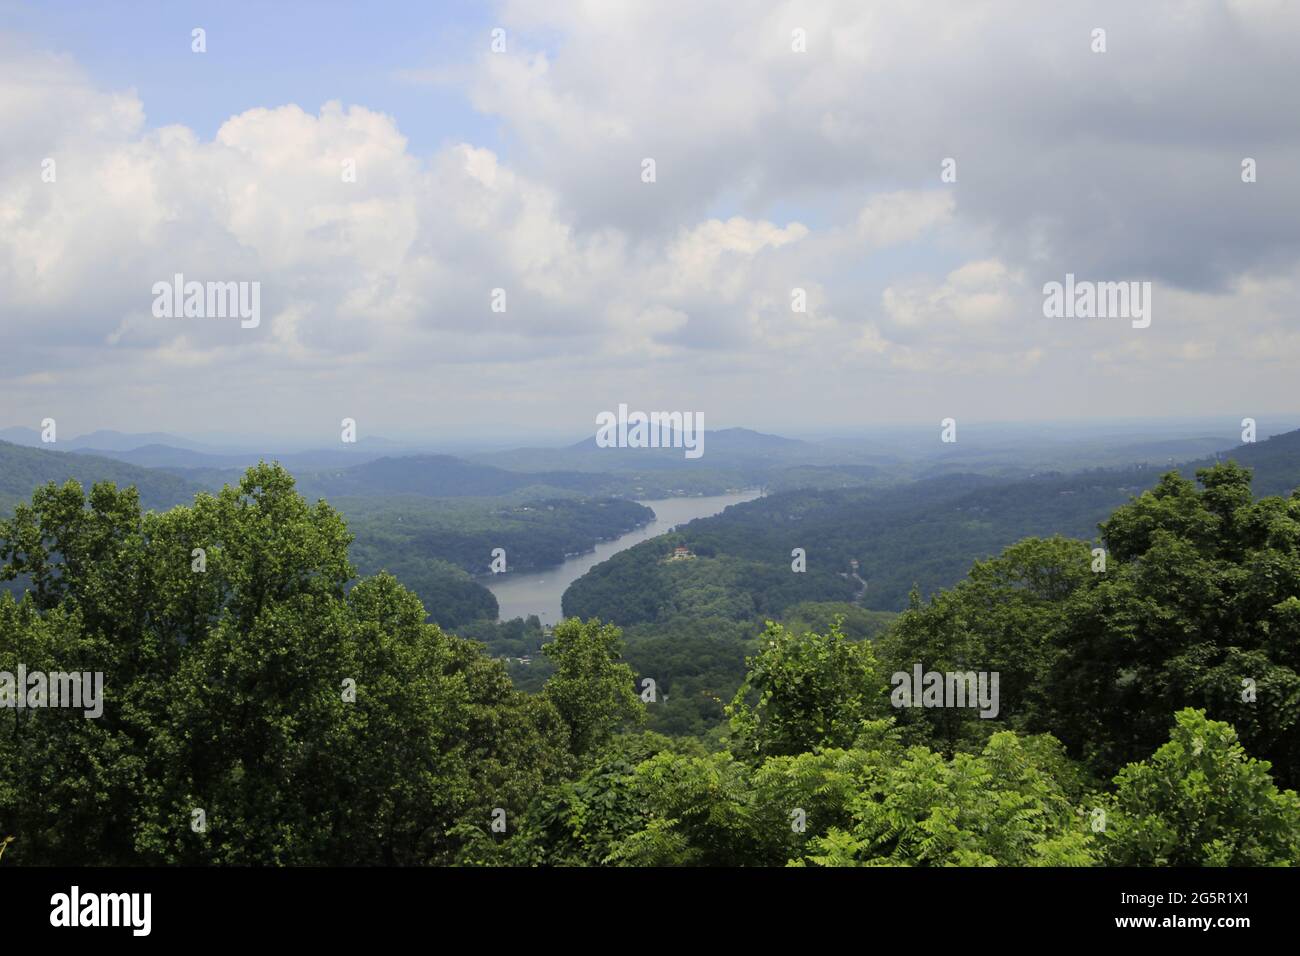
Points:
(22, 469)
(437, 546)
(434, 546)
(924, 534)
(535, 534)
(691, 623)
(1148, 710)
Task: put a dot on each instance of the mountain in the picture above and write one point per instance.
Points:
(437, 476)
(123, 441)
(923, 533)
(1274, 461)
(726, 448)
(22, 469)
(729, 440)
(100, 442)
(171, 457)
(17, 435)
(167, 456)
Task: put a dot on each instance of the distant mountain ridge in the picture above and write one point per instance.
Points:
(1274, 461)
(24, 469)
(736, 457)
(172, 457)
(728, 439)
(437, 476)
(171, 470)
(923, 533)
(98, 442)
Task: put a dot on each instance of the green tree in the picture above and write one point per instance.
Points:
(1198, 607)
(997, 808)
(312, 724)
(805, 691)
(591, 689)
(1201, 801)
(1003, 618)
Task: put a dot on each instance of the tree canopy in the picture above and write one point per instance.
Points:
(265, 705)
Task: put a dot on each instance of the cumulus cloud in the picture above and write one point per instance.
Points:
(979, 294)
(777, 171)
(1124, 162)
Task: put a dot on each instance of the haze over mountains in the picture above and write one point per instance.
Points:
(23, 469)
(169, 468)
(1010, 445)
(909, 509)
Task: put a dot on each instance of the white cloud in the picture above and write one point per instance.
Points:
(977, 294)
(893, 218)
(776, 170)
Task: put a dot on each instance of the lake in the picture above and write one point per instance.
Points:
(539, 592)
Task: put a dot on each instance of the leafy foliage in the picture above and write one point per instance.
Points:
(224, 691)
(1199, 605)
(1201, 801)
(227, 690)
(22, 469)
(804, 692)
(590, 689)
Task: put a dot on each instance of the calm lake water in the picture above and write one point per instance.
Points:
(539, 592)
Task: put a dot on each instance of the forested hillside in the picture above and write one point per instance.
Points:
(536, 534)
(688, 622)
(1148, 709)
(922, 534)
(1274, 462)
(436, 476)
(446, 476)
(22, 469)
(434, 546)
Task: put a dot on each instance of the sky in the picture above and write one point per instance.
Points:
(799, 152)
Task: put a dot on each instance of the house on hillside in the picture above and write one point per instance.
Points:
(681, 553)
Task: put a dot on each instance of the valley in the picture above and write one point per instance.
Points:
(524, 594)
(583, 538)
